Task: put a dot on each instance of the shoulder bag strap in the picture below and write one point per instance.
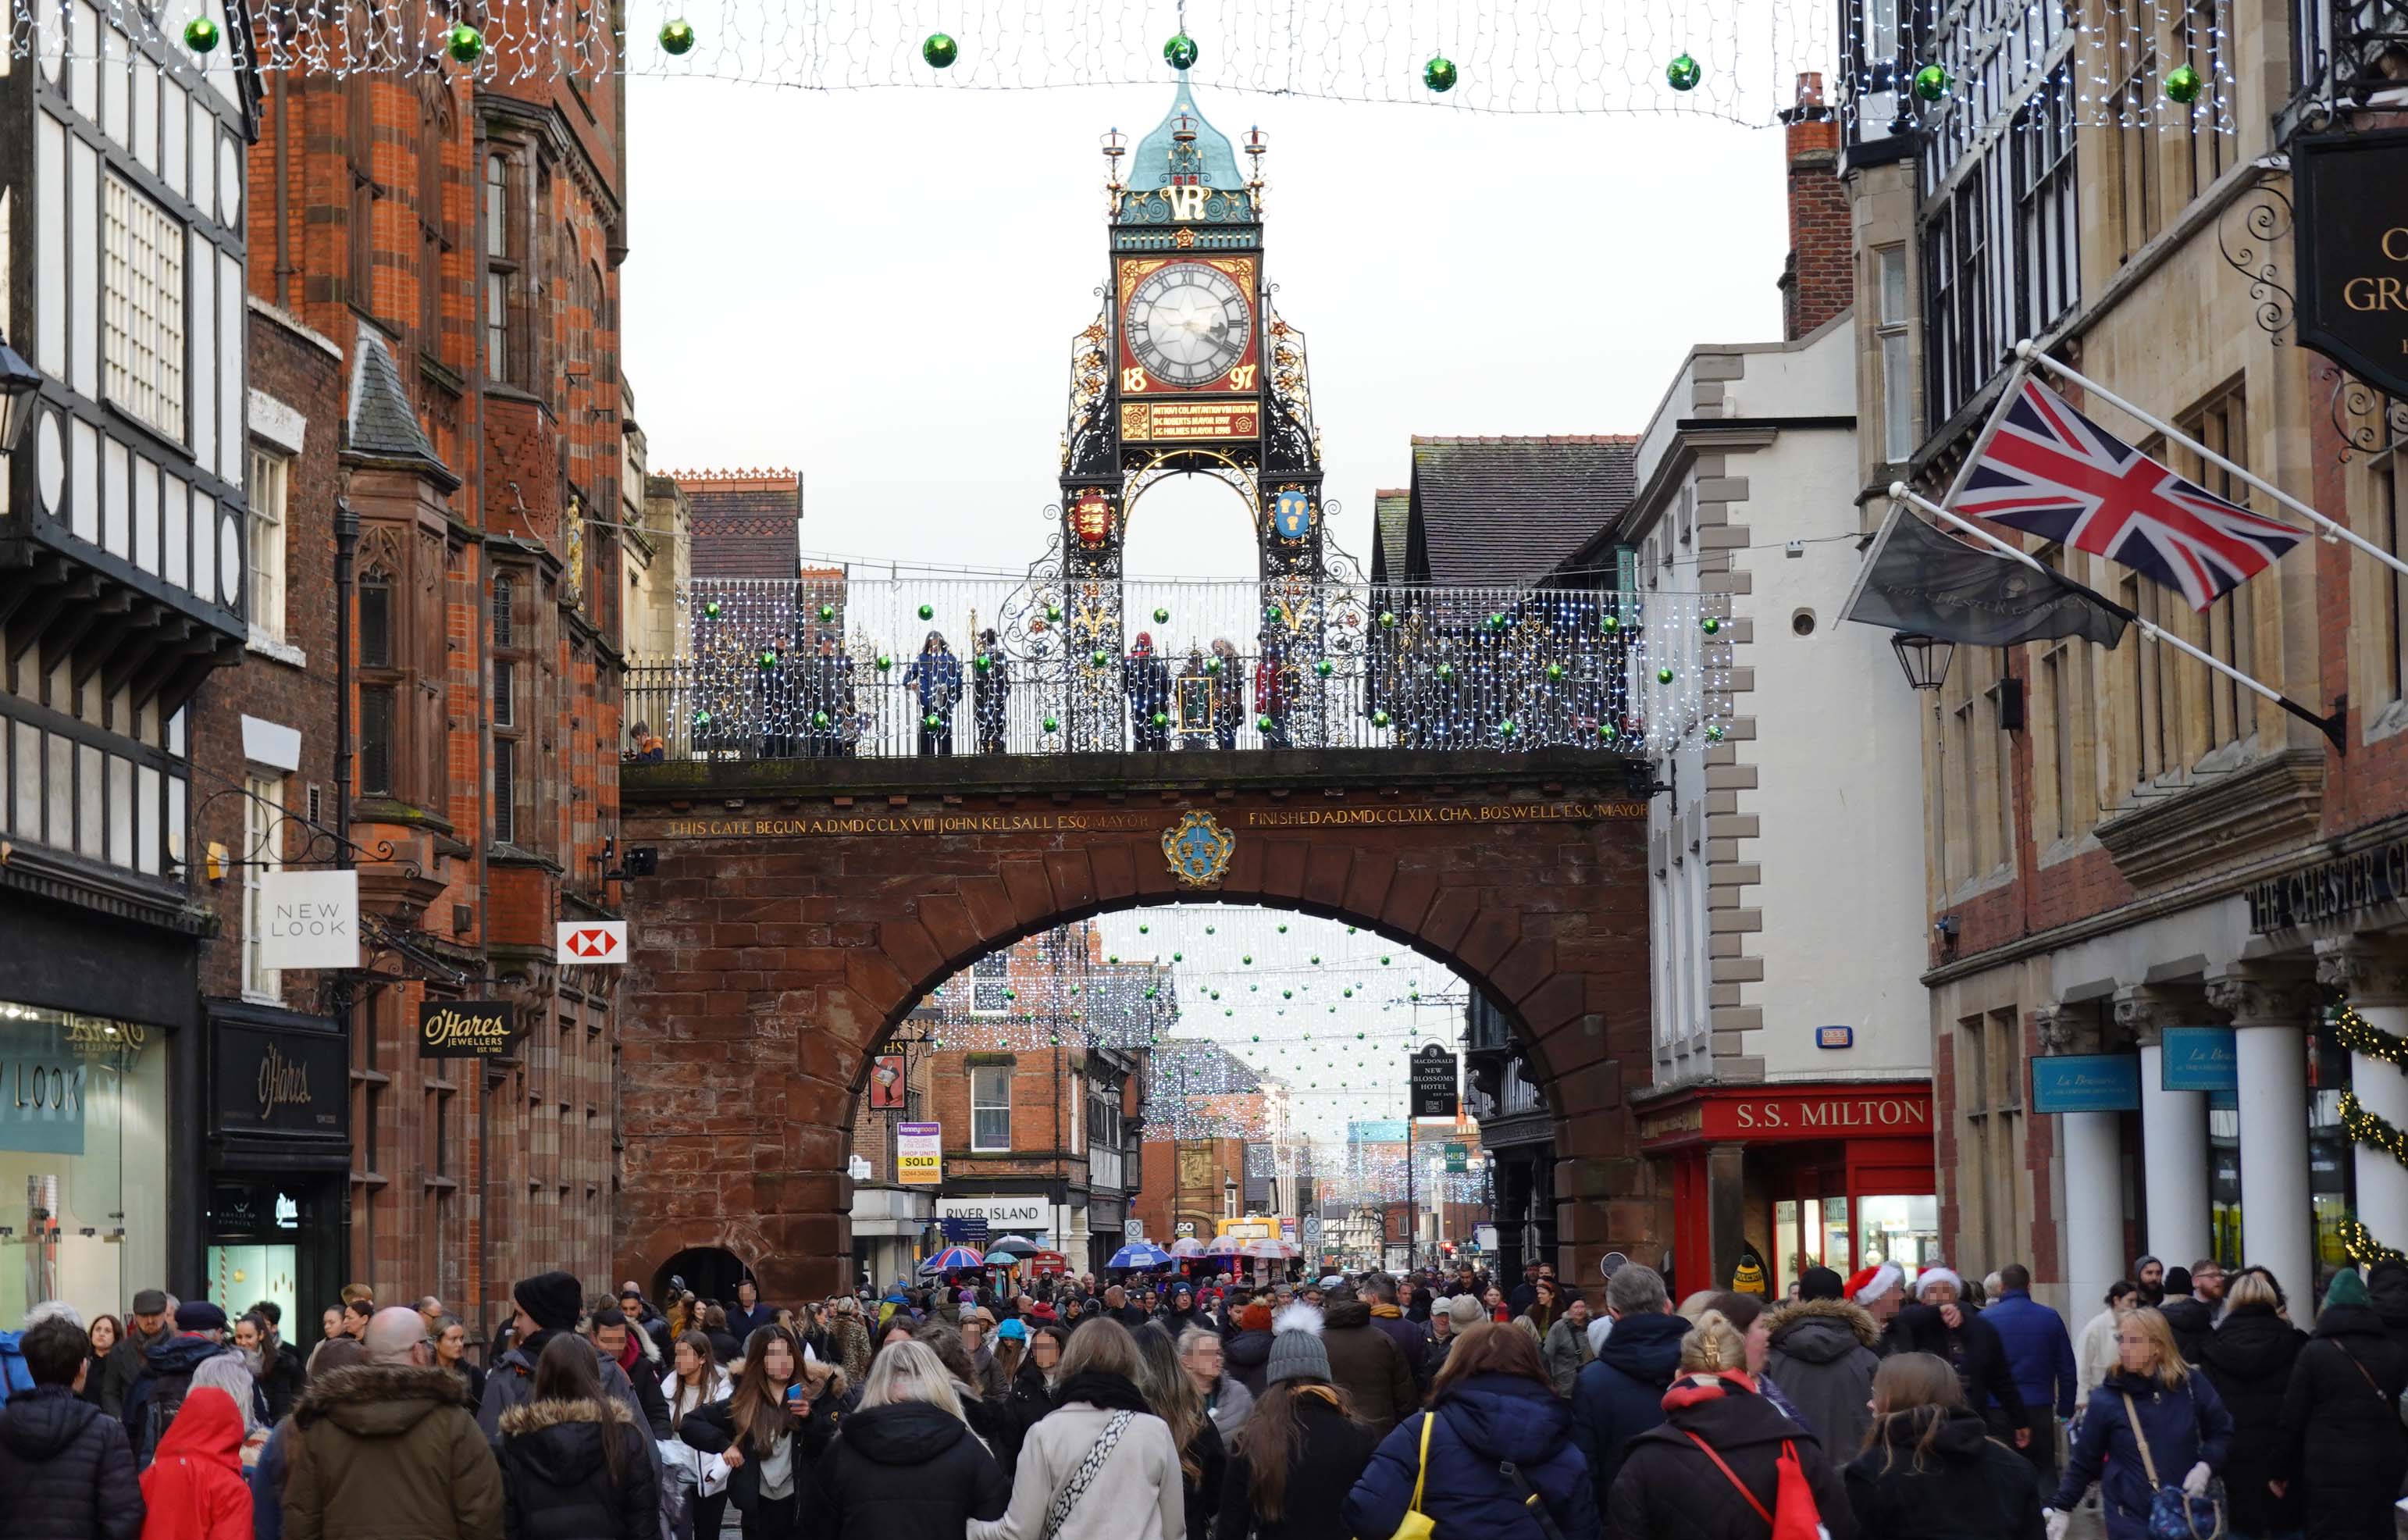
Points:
(1732, 1477)
(2359, 1367)
(1084, 1477)
(2132, 1416)
(1421, 1466)
(1548, 1528)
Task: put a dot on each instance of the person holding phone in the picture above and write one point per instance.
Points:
(771, 1431)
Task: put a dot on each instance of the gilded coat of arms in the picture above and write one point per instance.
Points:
(1198, 848)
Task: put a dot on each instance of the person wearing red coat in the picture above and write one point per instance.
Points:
(193, 1489)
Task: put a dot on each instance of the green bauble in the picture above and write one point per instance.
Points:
(1554, 671)
(1099, 657)
(1388, 619)
(1054, 611)
(1446, 670)
(981, 663)
(1161, 617)
(927, 611)
(1682, 73)
(885, 662)
(820, 720)
(827, 613)
(1664, 676)
(1180, 53)
(1322, 668)
(1053, 724)
(2182, 84)
(1932, 82)
(1613, 623)
(201, 34)
(1262, 724)
(1605, 732)
(702, 719)
(1271, 614)
(940, 50)
(1213, 664)
(1287, 994)
(1282, 930)
(1508, 728)
(1709, 625)
(1496, 620)
(1715, 733)
(932, 722)
(1438, 74)
(770, 658)
(1161, 719)
(1011, 994)
(710, 611)
(1248, 959)
(677, 38)
(1379, 719)
(466, 43)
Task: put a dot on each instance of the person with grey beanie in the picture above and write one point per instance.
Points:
(1294, 1459)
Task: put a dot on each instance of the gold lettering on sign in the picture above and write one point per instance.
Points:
(281, 1083)
(1107, 823)
(1186, 200)
(480, 1030)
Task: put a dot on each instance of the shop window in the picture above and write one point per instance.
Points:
(2332, 1164)
(1903, 1228)
(990, 1107)
(2222, 423)
(270, 472)
(1989, 1077)
(83, 1157)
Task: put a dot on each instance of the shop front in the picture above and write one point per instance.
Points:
(279, 1157)
(1827, 1174)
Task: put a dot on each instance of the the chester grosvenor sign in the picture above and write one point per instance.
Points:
(2329, 889)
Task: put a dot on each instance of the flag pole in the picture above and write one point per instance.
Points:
(2328, 725)
(2333, 527)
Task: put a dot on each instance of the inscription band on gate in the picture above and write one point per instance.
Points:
(1087, 822)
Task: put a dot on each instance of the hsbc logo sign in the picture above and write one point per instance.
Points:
(589, 943)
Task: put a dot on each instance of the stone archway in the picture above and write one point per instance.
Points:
(790, 928)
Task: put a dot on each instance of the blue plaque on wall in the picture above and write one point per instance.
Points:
(2200, 1058)
(2076, 1083)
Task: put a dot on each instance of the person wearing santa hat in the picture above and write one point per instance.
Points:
(1939, 1322)
(1878, 1289)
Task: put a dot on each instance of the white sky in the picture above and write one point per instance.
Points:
(879, 289)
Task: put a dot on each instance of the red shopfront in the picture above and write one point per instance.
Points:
(1831, 1175)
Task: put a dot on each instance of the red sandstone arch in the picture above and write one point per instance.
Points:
(772, 956)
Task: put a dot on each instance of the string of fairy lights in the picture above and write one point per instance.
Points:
(1287, 1032)
(1736, 60)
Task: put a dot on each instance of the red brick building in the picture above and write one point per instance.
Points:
(454, 235)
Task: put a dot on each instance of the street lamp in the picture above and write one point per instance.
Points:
(1925, 658)
(20, 381)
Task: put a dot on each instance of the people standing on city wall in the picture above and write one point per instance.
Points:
(1146, 680)
(66, 1471)
(2154, 1400)
(2040, 1357)
(1203, 1457)
(193, 1489)
(2340, 1437)
(993, 683)
(1713, 1468)
(1229, 692)
(2249, 1358)
(1101, 1466)
(1823, 1352)
(1299, 1454)
(935, 678)
(385, 1448)
(1932, 1468)
(575, 1464)
(1498, 1446)
(906, 1465)
(772, 1431)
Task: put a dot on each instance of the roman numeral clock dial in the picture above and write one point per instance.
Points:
(1187, 323)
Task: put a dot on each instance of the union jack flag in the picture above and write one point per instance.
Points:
(2055, 472)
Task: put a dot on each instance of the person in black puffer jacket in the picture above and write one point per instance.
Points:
(1670, 1489)
(2340, 1436)
(575, 1465)
(2387, 1289)
(906, 1466)
(2189, 1315)
(65, 1468)
(1932, 1468)
(2249, 1361)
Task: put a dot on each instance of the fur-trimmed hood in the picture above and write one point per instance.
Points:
(535, 1416)
(377, 1400)
(566, 1443)
(1820, 1330)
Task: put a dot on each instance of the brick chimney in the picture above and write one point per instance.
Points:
(1815, 283)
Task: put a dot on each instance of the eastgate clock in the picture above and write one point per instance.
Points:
(1187, 322)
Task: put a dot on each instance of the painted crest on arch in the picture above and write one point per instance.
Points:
(1199, 849)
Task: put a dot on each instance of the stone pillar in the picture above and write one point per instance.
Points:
(1725, 1212)
(2090, 1158)
(2173, 1134)
(2270, 1011)
(2375, 981)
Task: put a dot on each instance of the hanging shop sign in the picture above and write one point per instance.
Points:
(888, 1088)
(2080, 1083)
(590, 943)
(919, 1154)
(2198, 1059)
(464, 1028)
(309, 919)
(1432, 1077)
(1457, 1158)
(2350, 245)
(267, 1081)
(1292, 514)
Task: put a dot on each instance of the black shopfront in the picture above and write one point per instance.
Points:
(278, 1162)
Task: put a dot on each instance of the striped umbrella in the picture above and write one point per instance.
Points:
(1140, 1254)
(954, 1258)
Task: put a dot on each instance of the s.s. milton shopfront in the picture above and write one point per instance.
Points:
(1828, 1174)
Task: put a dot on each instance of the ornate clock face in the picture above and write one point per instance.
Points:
(1188, 323)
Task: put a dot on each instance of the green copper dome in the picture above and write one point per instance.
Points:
(1160, 157)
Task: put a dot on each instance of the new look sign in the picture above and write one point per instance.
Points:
(309, 919)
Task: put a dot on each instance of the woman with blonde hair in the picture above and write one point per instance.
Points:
(2151, 1424)
(1929, 1466)
(2249, 1358)
(906, 1466)
(1713, 1468)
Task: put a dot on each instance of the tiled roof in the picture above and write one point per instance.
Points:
(1504, 512)
(378, 420)
(744, 521)
(1391, 523)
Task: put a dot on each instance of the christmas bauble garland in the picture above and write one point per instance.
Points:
(2353, 1032)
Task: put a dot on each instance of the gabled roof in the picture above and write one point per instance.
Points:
(1150, 167)
(378, 421)
(1392, 516)
(1503, 513)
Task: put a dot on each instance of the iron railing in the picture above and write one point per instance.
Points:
(884, 667)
